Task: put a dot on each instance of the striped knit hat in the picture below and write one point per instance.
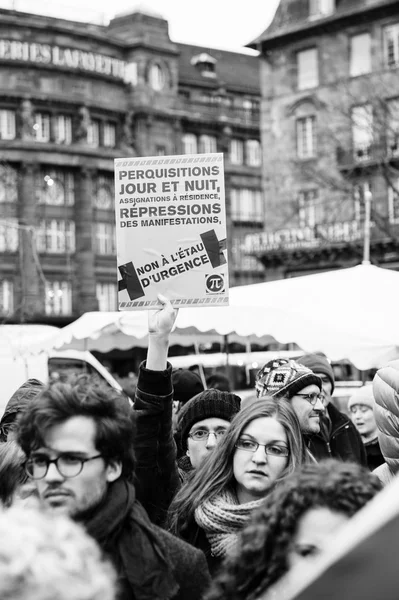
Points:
(284, 378)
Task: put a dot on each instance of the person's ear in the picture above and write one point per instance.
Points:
(114, 470)
(188, 452)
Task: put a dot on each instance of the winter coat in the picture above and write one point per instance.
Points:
(337, 439)
(386, 412)
(157, 472)
(17, 403)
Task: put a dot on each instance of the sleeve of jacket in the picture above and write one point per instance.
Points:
(359, 448)
(157, 478)
(386, 412)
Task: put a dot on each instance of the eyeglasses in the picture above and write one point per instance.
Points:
(270, 449)
(201, 435)
(312, 398)
(67, 465)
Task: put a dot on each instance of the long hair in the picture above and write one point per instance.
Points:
(215, 474)
(84, 396)
(12, 471)
(260, 557)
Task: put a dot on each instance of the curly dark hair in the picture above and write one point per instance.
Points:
(87, 397)
(260, 558)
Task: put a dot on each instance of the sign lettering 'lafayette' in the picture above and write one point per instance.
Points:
(306, 237)
(46, 54)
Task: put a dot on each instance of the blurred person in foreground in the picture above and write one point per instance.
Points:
(202, 420)
(78, 438)
(14, 483)
(293, 526)
(16, 406)
(338, 437)
(361, 408)
(386, 413)
(50, 558)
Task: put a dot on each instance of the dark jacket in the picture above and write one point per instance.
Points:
(338, 438)
(17, 403)
(157, 473)
(195, 536)
(374, 454)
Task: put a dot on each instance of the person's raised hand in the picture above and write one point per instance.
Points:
(162, 320)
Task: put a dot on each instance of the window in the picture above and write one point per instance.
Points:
(63, 129)
(6, 297)
(131, 74)
(321, 8)
(160, 150)
(207, 143)
(241, 260)
(306, 137)
(308, 75)
(360, 58)
(42, 127)
(104, 193)
(393, 202)
(109, 135)
(362, 132)
(56, 188)
(391, 45)
(393, 127)
(189, 143)
(359, 194)
(93, 133)
(156, 77)
(105, 239)
(8, 235)
(236, 152)
(107, 296)
(307, 201)
(246, 205)
(253, 153)
(7, 124)
(8, 184)
(56, 236)
(58, 298)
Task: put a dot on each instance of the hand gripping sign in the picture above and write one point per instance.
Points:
(171, 231)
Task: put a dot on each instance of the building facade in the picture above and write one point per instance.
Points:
(330, 134)
(74, 96)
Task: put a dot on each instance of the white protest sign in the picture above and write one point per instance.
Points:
(171, 231)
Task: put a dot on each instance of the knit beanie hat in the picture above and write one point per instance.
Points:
(318, 363)
(208, 404)
(363, 395)
(186, 385)
(284, 378)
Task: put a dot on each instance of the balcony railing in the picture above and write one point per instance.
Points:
(220, 112)
(361, 154)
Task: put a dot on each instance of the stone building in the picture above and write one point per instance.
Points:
(74, 96)
(330, 133)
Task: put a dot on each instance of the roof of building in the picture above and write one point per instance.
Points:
(233, 70)
(293, 15)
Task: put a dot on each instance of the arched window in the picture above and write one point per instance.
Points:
(157, 77)
(189, 141)
(104, 196)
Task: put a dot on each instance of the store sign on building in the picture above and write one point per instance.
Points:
(306, 237)
(71, 58)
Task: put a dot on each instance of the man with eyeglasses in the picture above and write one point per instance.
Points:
(78, 438)
(284, 378)
(338, 436)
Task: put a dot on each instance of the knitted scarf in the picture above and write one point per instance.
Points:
(222, 518)
(123, 530)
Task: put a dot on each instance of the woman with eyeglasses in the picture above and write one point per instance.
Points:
(260, 448)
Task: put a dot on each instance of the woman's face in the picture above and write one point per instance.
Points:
(314, 532)
(256, 469)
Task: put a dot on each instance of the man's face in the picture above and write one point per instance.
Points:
(73, 496)
(327, 388)
(198, 450)
(308, 415)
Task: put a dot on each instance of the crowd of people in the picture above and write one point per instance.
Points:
(189, 493)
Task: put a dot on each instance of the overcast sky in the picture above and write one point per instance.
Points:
(226, 24)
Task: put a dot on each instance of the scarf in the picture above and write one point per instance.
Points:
(121, 527)
(222, 518)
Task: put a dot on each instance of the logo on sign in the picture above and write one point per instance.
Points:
(214, 283)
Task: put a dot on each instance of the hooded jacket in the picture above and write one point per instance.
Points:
(386, 412)
(17, 403)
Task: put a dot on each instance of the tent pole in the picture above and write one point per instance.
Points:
(200, 366)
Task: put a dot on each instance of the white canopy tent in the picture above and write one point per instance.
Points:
(347, 314)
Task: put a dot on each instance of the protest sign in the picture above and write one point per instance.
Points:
(171, 231)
